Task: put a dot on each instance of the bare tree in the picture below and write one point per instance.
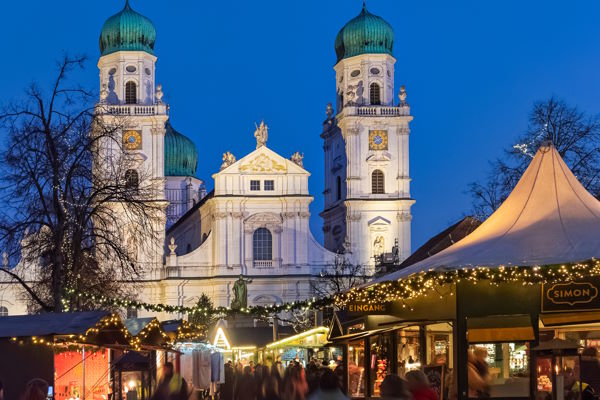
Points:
(73, 212)
(339, 278)
(576, 137)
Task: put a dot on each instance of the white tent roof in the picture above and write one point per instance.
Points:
(549, 218)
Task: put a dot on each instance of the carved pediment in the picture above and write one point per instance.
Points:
(263, 219)
(263, 163)
(379, 156)
(379, 221)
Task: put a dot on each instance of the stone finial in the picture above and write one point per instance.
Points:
(172, 246)
(103, 93)
(297, 159)
(402, 96)
(261, 134)
(228, 159)
(329, 110)
(159, 93)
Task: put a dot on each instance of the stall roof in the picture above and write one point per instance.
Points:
(311, 338)
(50, 324)
(136, 325)
(549, 218)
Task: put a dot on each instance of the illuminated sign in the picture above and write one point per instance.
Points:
(569, 296)
(356, 308)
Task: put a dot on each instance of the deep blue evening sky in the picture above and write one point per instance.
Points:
(472, 70)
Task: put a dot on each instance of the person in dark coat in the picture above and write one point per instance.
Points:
(590, 368)
(227, 387)
(246, 388)
(171, 386)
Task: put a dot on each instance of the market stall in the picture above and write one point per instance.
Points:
(69, 350)
(529, 274)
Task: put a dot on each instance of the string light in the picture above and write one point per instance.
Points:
(423, 283)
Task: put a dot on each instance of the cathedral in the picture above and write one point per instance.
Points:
(254, 224)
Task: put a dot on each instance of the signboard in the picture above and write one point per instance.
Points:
(435, 375)
(359, 308)
(581, 295)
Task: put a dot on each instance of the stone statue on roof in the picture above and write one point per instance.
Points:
(261, 134)
(228, 159)
(297, 159)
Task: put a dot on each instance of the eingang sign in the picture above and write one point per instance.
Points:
(581, 295)
(359, 308)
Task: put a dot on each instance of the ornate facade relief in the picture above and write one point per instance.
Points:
(262, 163)
(270, 221)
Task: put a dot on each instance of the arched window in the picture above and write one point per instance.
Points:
(262, 243)
(130, 93)
(339, 187)
(3, 311)
(375, 94)
(132, 179)
(377, 184)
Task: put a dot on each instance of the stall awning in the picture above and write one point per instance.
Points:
(500, 328)
(570, 318)
(360, 335)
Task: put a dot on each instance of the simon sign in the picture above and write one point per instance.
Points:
(571, 296)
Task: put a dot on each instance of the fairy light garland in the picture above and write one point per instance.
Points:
(409, 288)
(422, 283)
(262, 311)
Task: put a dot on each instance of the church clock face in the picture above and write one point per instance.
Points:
(132, 140)
(378, 140)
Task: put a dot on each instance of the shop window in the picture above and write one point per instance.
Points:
(409, 351)
(356, 369)
(380, 362)
(505, 368)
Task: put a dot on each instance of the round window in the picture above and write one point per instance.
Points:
(148, 72)
(375, 71)
(112, 71)
(131, 68)
(355, 73)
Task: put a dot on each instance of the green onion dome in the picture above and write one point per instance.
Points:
(365, 34)
(127, 31)
(181, 155)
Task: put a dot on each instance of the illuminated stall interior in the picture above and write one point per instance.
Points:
(302, 347)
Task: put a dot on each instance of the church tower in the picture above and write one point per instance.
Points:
(130, 100)
(367, 193)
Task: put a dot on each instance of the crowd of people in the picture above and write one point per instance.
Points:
(315, 382)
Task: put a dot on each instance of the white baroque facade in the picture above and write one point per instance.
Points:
(255, 222)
